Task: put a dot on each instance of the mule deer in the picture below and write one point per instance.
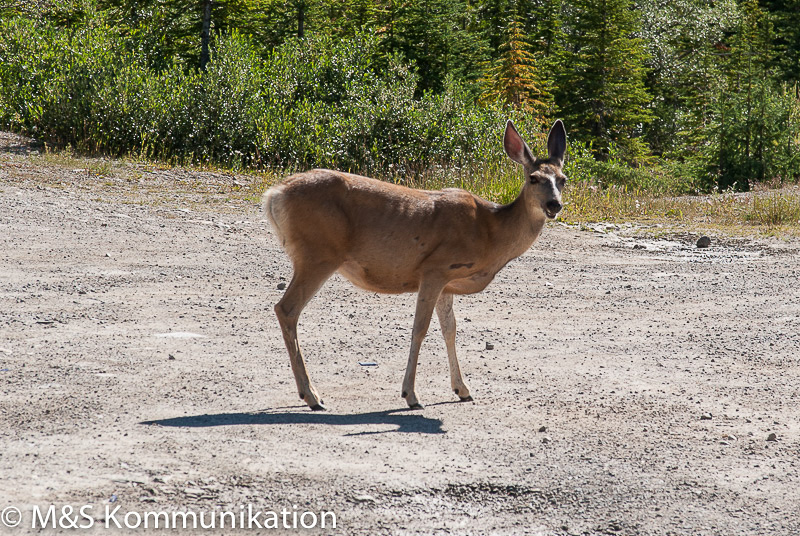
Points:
(387, 238)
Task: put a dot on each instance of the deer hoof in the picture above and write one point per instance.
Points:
(467, 399)
(318, 407)
(416, 406)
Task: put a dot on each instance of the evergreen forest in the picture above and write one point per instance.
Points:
(683, 96)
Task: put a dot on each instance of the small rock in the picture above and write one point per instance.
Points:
(772, 437)
(171, 357)
(543, 428)
(703, 241)
(489, 346)
(364, 498)
(706, 417)
(281, 285)
(546, 440)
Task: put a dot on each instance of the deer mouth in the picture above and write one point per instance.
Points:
(552, 208)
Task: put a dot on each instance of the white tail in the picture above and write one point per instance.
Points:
(388, 238)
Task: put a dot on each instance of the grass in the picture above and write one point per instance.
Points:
(498, 182)
(769, 212)
(772, 212)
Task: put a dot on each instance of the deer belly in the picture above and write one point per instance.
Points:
(387, 280)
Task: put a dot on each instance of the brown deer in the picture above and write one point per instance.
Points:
(387, 238)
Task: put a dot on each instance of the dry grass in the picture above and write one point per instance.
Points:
(772, 211)
(769, 211)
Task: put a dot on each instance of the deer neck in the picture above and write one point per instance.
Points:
(517, 227)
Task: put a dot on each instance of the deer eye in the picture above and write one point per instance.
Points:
(535, 179)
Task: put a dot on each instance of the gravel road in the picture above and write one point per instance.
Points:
(635, 385)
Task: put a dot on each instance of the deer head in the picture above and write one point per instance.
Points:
(544, 180)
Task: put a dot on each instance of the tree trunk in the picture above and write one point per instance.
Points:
(301, 16)
(205, 37)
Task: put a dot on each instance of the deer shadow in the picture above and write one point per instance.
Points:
(404, 420)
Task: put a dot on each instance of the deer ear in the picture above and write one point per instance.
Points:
(557, 143)
(516, 149)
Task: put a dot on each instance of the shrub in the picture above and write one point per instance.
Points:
(313, 102)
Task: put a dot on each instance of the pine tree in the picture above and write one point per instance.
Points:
(183, 30)
(516, 78)
(785, 16)
(756, 131)
(439, 36)
(602, 90)
(685, 40)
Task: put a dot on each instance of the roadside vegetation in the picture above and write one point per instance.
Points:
(662, 104)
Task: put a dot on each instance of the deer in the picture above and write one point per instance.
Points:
(388, 238)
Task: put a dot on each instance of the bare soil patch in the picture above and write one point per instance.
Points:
(631, 389)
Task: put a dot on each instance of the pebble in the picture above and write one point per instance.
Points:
(543, 428)
(772, 437)
(706, 417)
(281, 285)
(489, 346)
(703, 241)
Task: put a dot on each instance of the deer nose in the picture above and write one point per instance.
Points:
(554, 206)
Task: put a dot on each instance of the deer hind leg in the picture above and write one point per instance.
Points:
(447, 320)
(426, 301)
(305, 283)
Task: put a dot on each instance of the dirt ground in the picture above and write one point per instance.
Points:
(632, 385)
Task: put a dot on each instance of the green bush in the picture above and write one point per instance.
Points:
(661, 178)
(315, 102)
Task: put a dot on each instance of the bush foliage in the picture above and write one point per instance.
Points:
(314, 102)
(392, 98)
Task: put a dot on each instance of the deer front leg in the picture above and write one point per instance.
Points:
(305, 283)
(447, 320)
(426, 302)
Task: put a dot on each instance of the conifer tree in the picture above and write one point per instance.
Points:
(602, 90)
(785, 15)
(437, 35)
(755, 136)
(516, 78)
(685, 41)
